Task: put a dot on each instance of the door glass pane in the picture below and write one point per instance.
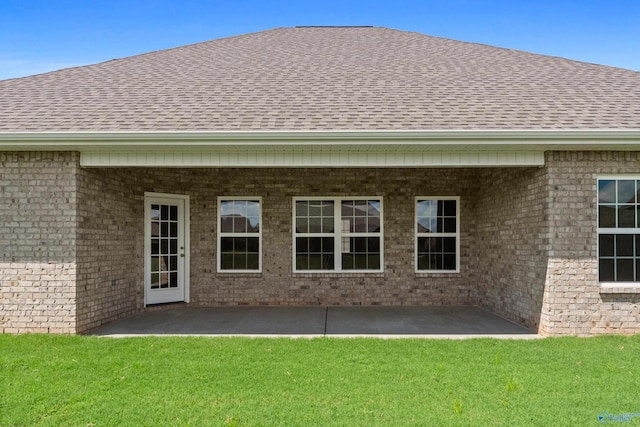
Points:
(164, 246)
(155, 280)
(173, 279)
(155, 212)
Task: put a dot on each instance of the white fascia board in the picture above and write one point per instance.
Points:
(443, 139)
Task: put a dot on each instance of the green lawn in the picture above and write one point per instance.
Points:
(90, 381)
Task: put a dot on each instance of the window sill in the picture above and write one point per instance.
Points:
(437, 274)
(338, 273)
(227, 273)
(620, 288)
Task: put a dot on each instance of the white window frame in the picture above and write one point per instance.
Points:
(222, 234)
(615, 230)
(419, 234)
(338, 234)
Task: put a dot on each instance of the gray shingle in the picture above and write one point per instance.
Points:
(325, 79)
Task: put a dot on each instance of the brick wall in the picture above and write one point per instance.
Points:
(510, 243)
(37, 242)
(109, 246)
(528, 241)
(277, 285)
(574, 303)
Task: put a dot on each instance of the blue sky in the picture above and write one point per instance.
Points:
(42, 35)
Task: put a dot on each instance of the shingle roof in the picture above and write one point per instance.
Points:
(350, 78)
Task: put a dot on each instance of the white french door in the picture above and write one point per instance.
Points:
(166, 265)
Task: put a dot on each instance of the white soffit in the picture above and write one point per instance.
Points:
(310, 157)
(320, 148)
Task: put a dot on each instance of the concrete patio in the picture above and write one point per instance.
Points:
(334, 321)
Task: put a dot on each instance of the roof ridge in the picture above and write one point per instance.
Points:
(334, 26)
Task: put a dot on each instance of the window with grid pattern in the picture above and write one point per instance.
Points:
(239, 234)
(437, 234)
(619, 229)
(337, 234)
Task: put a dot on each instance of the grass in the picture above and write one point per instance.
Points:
(91, 381)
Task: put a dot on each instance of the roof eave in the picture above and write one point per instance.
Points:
(444, 139)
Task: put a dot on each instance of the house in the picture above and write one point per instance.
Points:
(323, 166)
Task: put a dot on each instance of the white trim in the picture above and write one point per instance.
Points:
(630, 285)
(225, 234)
(338, 234)
(156, 138)
(619, 288)
(148, 197)
(440, 234)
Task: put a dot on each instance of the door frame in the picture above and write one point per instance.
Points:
(148, 197)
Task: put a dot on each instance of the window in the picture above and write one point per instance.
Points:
(239, 234)
(336, 234)
(619, 229)
(437, 234)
